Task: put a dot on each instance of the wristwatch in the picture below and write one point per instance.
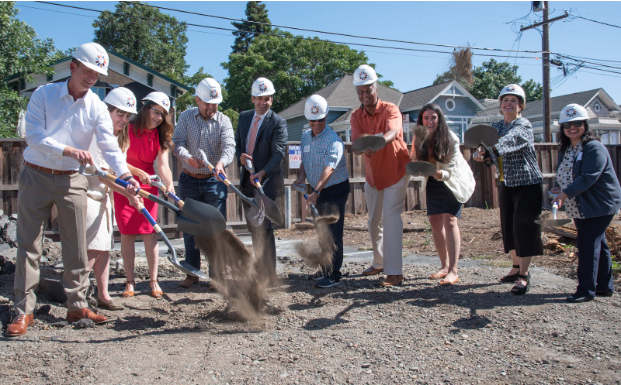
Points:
(127, 178)
(317, 192)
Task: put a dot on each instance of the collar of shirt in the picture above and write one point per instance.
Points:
(197, 114)
(262, 117)
(379, 104)
(321, 134)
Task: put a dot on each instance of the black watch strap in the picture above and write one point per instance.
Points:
(127, 178)
(317, 192)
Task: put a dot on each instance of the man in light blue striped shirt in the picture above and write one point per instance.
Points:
(323, 163)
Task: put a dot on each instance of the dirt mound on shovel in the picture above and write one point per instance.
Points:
(236, 278)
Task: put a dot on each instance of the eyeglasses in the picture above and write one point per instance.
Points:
(576, 123)
(317, 120)
(158, 113)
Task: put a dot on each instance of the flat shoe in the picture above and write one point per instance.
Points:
(372, 271)
(157, 294)
(110, 305)
(398, 280)
(446, 282)
(576, 298)
(438, 275)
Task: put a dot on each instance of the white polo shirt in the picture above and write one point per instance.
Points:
(54, 120)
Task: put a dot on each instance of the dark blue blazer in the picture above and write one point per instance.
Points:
(269, 149)
(595, 186)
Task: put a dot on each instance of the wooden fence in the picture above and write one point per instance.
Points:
(485, 194)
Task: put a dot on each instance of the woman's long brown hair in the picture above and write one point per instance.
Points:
(165, 129)
(122, 136)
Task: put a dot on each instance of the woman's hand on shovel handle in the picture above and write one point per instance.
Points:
(132, 184)
(560, 199)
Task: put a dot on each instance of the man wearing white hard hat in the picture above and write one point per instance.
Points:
(261, 136)
(61, 120)
(386, 182)
(324, 165)
(203, 128)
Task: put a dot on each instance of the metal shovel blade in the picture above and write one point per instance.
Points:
(370, 142)
(256, 211)
(481, 135)
(552, 222)
(198, 218)
(420, 168)
(271, 208)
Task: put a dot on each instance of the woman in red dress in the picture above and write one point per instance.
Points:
(149, 139)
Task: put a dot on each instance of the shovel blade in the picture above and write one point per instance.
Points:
(552, 222)
(198, 218)
(480, 135)
(271, 209)
(256, 213)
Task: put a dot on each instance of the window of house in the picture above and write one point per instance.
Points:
(100, 92)
(150, 80)
(126, 68)
(449, 104)
(50, 77)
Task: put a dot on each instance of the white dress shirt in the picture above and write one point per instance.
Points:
(54, 121)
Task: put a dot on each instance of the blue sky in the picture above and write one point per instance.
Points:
(478, 24)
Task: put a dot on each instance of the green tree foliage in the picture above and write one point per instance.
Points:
(247, 31)
(187, 100)
(146, 35)
(490, 78)
(21, 53)
(297, 67)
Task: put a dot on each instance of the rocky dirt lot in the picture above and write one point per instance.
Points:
(356, 333)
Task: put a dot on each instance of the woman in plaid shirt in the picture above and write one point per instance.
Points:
(519, 186)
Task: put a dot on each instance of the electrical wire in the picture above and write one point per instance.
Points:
(598, 22)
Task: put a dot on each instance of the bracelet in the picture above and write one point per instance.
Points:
(127, 178)
(317, 192)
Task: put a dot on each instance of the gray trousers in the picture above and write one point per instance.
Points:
(37, 192)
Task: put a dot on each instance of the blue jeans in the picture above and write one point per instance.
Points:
(210, 191)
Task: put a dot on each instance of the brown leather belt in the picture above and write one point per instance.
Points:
(49, 170)
(197, 176)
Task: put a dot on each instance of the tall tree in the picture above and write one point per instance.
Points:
(460, 69)
(492, 76)
(247, 30)
(144, 34)
(21, 54)
(297, 67)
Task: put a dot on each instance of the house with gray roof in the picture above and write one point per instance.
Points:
(458, 105)
(603, 112)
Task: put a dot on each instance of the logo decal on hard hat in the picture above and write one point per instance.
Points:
(571, 112)
(314, 110)
(262, 87)
(165, 103)
(213, 94)
(100, 61)
(510, 89)
(131, 102)
(363, 75)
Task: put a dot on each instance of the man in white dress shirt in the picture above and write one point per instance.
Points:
(61, 120)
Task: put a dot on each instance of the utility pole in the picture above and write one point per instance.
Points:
(545, 44)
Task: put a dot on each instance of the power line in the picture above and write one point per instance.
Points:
(598, 22)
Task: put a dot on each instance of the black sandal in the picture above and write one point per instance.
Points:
(522, 290)
(511, 277)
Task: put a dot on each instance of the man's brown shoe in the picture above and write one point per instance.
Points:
(188, 281)
(392, 280)
(85, 312)
(19, 326)
(372, 271)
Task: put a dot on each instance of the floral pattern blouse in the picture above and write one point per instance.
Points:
(564, 178)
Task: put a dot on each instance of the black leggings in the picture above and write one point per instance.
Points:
(520, 206)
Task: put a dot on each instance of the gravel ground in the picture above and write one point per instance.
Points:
(356, 333)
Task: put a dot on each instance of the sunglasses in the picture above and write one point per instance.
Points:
(577, 124)
(318, 120)
(158, 113)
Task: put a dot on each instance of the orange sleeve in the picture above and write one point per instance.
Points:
(394, 120)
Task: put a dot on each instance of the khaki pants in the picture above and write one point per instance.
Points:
(37, 191)
(385, 209)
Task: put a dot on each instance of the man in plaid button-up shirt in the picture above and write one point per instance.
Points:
(203, 128)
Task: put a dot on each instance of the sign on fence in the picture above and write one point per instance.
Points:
(295, 156)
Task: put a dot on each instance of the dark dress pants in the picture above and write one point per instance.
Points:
(332, 200)
(594, 263)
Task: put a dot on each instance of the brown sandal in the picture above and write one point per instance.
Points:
(127, 292)
(157, 294)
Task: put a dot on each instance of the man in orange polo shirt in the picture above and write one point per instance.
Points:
(386, 180)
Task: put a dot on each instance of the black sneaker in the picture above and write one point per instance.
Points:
(316, 277)
(328, 282)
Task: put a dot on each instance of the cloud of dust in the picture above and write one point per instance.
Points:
(317, 252)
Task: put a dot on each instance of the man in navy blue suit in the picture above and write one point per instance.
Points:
(261, 136)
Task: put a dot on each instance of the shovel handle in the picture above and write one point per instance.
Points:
(554, 209)
(142, 193)
(250, 168)
(171, 195)
(312, 206)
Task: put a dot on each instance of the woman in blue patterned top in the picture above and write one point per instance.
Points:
(323, 163)
(586, 183)
(519, 186)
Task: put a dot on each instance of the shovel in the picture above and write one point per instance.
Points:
(420, 168)
(369, 142)
(327, 220)
(156, 181)
(183, 266)
(256, 213)
(271, 208)
(194, 218)
(553, 222)
(481, 135)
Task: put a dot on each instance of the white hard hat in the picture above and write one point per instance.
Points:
(93, 56)
(209, 91)
(160, 98)
(262, 87)
(316, 107)
(513, 89)
(364, 75)
(573, 112)
(123, 99)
